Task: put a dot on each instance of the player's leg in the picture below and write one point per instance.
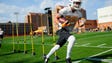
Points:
(56, 47)
(61, 41)
(71, 41)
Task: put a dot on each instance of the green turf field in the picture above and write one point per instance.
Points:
(90, 47)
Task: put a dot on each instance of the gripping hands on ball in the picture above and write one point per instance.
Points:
(65, 24)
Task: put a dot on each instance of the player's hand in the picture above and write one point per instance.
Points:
(62, 20)
(66, 23)
(82, 22)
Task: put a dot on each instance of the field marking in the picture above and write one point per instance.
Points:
(101, 45)
(93, 46)
(107, 60)
(86, 44)
(75, 45)
(104, 60)
(101, 53)
(93, 56)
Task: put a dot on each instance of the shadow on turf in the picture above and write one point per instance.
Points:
(95, 59)
(39, 62)
(98, 59)
(26, 61)
(9, 53)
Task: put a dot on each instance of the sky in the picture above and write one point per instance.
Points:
(23, 7)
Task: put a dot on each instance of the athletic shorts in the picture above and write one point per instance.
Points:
(63, 36)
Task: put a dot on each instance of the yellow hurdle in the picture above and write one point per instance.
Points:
(33, 52)
(43, 48)
(13, 37)
(25, 51)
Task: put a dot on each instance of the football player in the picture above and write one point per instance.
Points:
(64, 31)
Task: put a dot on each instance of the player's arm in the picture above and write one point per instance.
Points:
(82, 22)
(60, 16)
(65, 24)
(62, 20)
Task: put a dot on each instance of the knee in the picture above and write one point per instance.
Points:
(71, 38)
(57, 46)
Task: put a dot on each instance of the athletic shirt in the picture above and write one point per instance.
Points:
(67, 11)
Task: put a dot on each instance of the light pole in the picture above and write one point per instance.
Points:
(46, 12)
(16, 15)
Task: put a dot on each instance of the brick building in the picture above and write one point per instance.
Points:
(39, 20)
(105, 17)
(9, 28)
(91, 24)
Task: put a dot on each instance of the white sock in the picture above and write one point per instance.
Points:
(56, 47)
(71, 41)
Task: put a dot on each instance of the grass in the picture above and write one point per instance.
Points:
(79, 52)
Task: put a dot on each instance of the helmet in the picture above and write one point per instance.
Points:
(76, 4)
(75, 0)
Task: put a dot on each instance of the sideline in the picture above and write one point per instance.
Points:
(93, 56)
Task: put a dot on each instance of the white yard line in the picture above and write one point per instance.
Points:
(94, 55)
(93, 46)
(101, 53)
(107, 60)
(76, 43)
(101, 45)
(86, 44)
(77, 61)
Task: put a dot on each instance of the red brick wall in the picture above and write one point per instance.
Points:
(91, 24)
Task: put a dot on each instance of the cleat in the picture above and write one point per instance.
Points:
(44, 56)
(68, 60)
(46, 59)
